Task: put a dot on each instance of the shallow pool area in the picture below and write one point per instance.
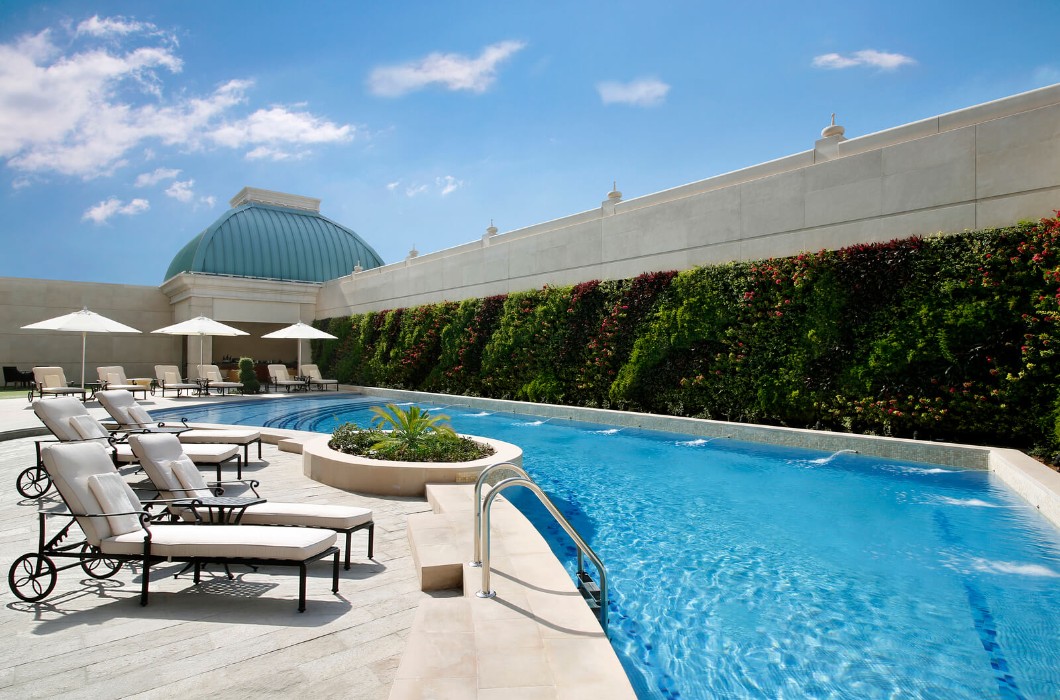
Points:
(743, 570)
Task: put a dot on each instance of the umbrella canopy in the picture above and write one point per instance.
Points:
(300, 331)
(83, 322)
(202, 327)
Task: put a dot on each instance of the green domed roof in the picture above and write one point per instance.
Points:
(263, 240)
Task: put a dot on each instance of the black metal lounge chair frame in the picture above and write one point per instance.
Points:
(33, 576)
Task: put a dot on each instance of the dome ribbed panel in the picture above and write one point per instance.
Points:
(257, 240)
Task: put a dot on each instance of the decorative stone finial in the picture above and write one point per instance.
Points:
(832, 129)
(492, 230)
(413, 253)
(614, 195)
(357, 268)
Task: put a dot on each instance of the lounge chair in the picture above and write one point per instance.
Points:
(169, 379)
(279, 376)
(173, 474)
(51, 381)
(13, 375)
(118, 530)
(313, 373)
(68, 421)
(212, 374)
(131, 416)
(113, 378)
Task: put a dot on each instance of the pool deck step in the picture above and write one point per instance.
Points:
(536, 638)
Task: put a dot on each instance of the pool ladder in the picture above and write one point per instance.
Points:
(595, 596)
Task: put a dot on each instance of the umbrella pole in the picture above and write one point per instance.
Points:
(201, 336)
(84, 335)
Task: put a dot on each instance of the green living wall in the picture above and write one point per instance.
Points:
(948, 337)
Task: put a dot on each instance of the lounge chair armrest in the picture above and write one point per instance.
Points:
(145, 516)
(252, 484)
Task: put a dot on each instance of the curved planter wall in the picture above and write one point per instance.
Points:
(383, 478)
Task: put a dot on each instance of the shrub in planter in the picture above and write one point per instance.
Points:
(251, 385)
(411, 436)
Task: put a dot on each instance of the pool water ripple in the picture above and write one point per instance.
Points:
(750, 571)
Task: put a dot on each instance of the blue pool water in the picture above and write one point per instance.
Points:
(749, 571)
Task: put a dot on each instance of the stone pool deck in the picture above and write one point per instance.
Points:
(380, 637)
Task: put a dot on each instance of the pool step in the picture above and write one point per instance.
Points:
(535, 638)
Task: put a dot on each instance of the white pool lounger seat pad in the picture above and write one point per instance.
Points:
(225, 542)
(306, 515)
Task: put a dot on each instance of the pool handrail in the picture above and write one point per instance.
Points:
(581, 544)
(477, 561)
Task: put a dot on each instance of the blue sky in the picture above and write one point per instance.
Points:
(125, 127)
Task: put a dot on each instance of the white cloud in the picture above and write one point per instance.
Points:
(209, 200)
(181, 190)
(393, 185)
(643, 92)
(268, 153)
(107, 26)
(266, 128)
(451, 70)
(114, 206)
(81, 111)
(414, 190)
(449, 184)
(155, 177)
(865, 57)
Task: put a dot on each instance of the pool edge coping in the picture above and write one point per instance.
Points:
(1036, 483)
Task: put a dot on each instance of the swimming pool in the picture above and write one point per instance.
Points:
(743, 570)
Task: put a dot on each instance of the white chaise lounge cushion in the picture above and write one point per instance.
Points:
(69, 465)
(117, 499)
(225, 541)
(306, 515)
(56, 413)
(235, 436)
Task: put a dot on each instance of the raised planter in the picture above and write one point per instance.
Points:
(377, 476)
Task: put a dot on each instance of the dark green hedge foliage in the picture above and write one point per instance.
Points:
(948, 337)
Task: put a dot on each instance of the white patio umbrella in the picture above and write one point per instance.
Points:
(202, 327)
(300, 331)
(83, 322)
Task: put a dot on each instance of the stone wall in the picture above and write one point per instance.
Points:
(25, 301)
(988, 165)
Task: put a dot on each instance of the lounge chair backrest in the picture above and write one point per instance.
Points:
(170, 374)
(279, 373)
(169, 469)
(123, 408)
(51, 377)
(210, 372)
(312, 372)
(56, 414)
(114, 374)
(70, 466)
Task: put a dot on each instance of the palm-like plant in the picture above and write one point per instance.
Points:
(409, 428)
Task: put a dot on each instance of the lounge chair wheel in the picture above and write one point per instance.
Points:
(32, 577)
(33, 482)
(29, 397)
(95, 564)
